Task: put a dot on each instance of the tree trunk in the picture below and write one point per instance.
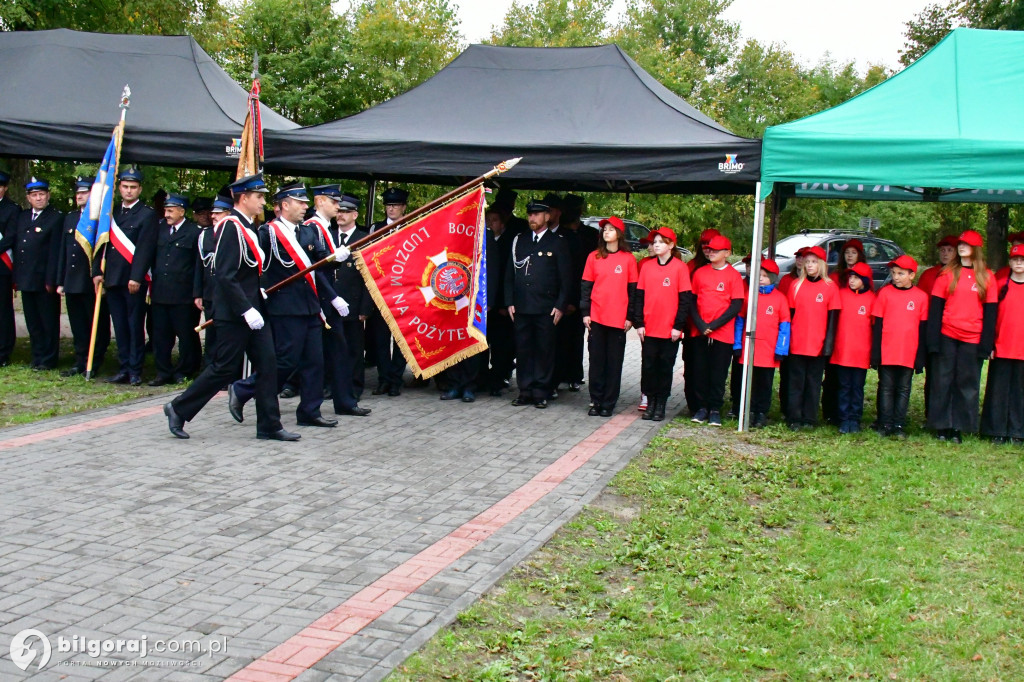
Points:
(995, 231)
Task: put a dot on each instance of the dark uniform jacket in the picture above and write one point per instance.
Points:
(202, 283)
(346, 280)
(9, 212)
(74, 271)
(498, 250)
(139, 224)
(297, 298)
(174, 264)
(545, 280)
(236, 282)
(37, 249)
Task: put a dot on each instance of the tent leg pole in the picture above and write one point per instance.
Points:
(773, 225)
(371, 199)
(750, 330)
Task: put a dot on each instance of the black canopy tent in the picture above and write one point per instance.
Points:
(61, 91)
(582, 118)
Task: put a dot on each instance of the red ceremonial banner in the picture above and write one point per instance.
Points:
(425, 277)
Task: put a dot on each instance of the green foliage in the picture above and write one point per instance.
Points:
(554, 23)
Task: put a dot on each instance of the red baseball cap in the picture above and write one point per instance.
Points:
(749, 257)
(971, 238)
(719, 243)
(862, 270)
(948, 241)
(664, 232)
(854, 244)
(905, 262)
(770, 265)
(801, 252)
(614, 221)
(1017, 251)
(1015, 237)
(815, 251)
(707, 234)
(645, 240)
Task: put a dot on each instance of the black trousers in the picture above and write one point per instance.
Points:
(735, 383)
(569, 362)
(804, 388)
(172, 322)
(709, 371)
(1003, 414)
(128, 315)
(849, 398)
(535, 365)
(338, 358)
(760, 390)
(607, 349)
(298, 345)
(391, 363)
(894, 382)
(464, 375)
(784, 386)
(502, 349)
(80, 311)
(7, 328)
(210, 338)
(42, 318)
(956, 386)
(234, 340)
(657, 362)
(690, 391)
(353, 329)
(830, 395)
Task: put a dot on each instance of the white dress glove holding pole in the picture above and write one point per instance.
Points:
(340, 305)
(253, 319)
(341, 253)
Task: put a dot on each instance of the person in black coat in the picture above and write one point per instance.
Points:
(569, 363)
(381, 346)
(500, 330)
(35, 273)
(538, 284)
(239, 317)
(202, 286)
(74, 283)
(123, 274)
(172, 307)
(9, 212)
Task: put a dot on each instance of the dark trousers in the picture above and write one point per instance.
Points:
(535, 366)
(894, 384)
(760, 390)
(955, 387)
(235, 339)
(784, 386)
(298, 345)
(172, 322)
(849, 392)
(927, 388)
(735, 383)
(830, 409)
(607, 349)
(391, 363)
(339, 359)
(81, 308)
(464, 375)
(710, 368)
(569, 361)
(7, 328)
(210, 338)
(354, 330)
(804, 388)
(42, 318)
(690, 372)
(1003, 414)
(657, 362)
(502, 349)
(128, 315)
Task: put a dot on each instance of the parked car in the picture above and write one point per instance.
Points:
(879, 251)
(634, 233)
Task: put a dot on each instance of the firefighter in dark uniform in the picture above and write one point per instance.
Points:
(202, 286)
(172, 308)
(294, 310)
(569, 358)
(538, 283)
(35, 272)
(9, 212)
(514, 224)
(74, 283)
(390, 361)
(239, 317)
(202, 212)
(124, 275)
(500, 330)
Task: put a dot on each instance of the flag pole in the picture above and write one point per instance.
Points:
(126, 95)
(401, 222)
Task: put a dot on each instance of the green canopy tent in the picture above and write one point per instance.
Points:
(950, 127)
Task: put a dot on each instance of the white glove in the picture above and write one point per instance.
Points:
(341, 253)
(253, 318)
(263, 293)
(340, 305)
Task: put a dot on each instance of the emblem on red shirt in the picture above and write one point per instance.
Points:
(974, 287)
(862, 311)
(720, 287)
(618, 269)
(820, 298)
(770, 310)
(666, 282)
(910, 305)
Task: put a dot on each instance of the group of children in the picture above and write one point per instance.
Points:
(819, 329)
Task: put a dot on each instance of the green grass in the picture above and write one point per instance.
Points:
(768, 556)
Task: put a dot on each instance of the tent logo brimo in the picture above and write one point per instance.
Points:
(731, 165)
(234, 149)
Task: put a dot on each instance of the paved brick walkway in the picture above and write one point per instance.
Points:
(331, 558)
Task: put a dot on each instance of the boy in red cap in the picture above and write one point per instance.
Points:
(692, 336)
(898, 344)
(771, 341)
(1002, 419)
(852, 355)
(1015, 239)
(719, 291)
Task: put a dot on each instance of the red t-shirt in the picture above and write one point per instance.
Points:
(1010, 323)
(901, 312)
(1002, 275)
(715, 290)
(643, 262)
(785, 282)
(772, 311)
(811, 302)
(963, 315)
(611, 276)
(661, 285)
(853, 333)
(927, 279)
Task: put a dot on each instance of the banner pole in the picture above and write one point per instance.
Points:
(750, 330)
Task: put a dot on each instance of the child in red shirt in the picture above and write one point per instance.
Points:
(851, 253)
(814, 306)
(771, 341)
(898, 344)
(659, 312)
(691, 336)
(609, 282)
(785, 282)
(1002, 420)
(852, 353)
(961, 334)
(926, 282)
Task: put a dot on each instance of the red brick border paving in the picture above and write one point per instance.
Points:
(62, 431)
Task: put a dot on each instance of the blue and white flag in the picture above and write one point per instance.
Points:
(94, 225)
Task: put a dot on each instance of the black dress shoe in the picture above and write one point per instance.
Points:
(160, 381)
(380, 390)
(73, 371)
(119, 378)
(174, 422)
(495, 393)
(451, 394)
(468, 396)
(287, 393)
(235, 405)
(574, 386)
(319, 421)
(541, 404)
(355, 411)
(395, 391)
(278, 435)
(594, 412)
(180, 378)
(135, 380)
(606, 412)
(522, 400)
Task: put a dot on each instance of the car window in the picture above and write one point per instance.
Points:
(872, 251)
(787, 248)
(833, 249)
(635, 231)
(887, 252)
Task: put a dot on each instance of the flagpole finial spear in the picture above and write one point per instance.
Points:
(255, 64)
(126, 96)
(503, 166)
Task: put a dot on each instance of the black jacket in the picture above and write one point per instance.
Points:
(544, 279)
(37, 249)
(139, 224)
(74, 272)
(346, 280)
(498, 250)
(202, 282)
(236, 281)
(174, 264)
